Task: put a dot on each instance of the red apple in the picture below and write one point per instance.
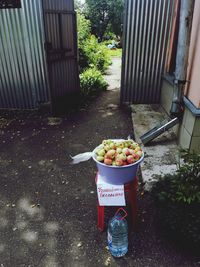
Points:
(108, 161)
(130, 159)
(110, 154)
(139, 153)
(119, 162)
(131, 151)
(125, 151)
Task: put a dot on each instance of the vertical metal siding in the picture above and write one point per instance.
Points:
(23, 80)
(60, 28)
(59, 5)
(147, 26)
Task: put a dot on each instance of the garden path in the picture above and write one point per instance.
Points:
(113, 74)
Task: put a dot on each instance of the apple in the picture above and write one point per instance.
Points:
(119, 162)
(120, 144)
(133, 145)
(139, 153)
(110, 154)
(131, 151)
(100, 158)
(121, 156)
(119, 150)
(130, 159)
(125, 151)
(129, 142)
(136, 157)
(106, 147)
(112, 146)
(137, 149)
(108, 161)
(101, 152)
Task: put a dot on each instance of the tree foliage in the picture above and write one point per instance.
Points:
(105, 15)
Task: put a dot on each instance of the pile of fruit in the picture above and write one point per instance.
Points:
(118, 153)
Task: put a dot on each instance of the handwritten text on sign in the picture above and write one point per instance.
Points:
(110, 195)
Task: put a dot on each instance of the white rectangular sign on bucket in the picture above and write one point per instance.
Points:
(109, 194)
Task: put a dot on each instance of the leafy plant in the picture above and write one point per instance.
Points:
(184, 185)
(92, 81)
(177, 197)
(91, 52)
(83, 28)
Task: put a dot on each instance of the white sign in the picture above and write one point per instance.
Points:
(109, 194)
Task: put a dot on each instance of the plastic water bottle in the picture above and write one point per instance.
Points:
(118, 234)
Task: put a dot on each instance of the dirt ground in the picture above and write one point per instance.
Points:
(48, 211)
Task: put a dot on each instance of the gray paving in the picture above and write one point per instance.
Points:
(162, 153)
(113, 74)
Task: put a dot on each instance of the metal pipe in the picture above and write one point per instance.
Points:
(158, 130)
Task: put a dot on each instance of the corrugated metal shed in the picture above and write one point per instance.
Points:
(24, 63)
(23, 81)
(146, 34)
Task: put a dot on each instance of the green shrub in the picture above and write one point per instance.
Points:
(91, 53)
(83, 28)
(177, 199)
(92, 81)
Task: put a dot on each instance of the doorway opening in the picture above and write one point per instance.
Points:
(100, 31)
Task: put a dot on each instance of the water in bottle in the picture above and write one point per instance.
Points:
(118, 234)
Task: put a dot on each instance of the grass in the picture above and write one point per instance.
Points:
(115, 52)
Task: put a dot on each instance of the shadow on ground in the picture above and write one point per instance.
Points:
(48, 207)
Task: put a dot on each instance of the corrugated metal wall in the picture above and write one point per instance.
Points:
(60, 28)
(146, 34)
(59, 4)
(23, 82)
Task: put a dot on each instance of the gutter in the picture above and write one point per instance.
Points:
(185, 25)
(195, 111)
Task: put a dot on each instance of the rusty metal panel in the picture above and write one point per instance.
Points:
(23, 79)
(147, 26)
